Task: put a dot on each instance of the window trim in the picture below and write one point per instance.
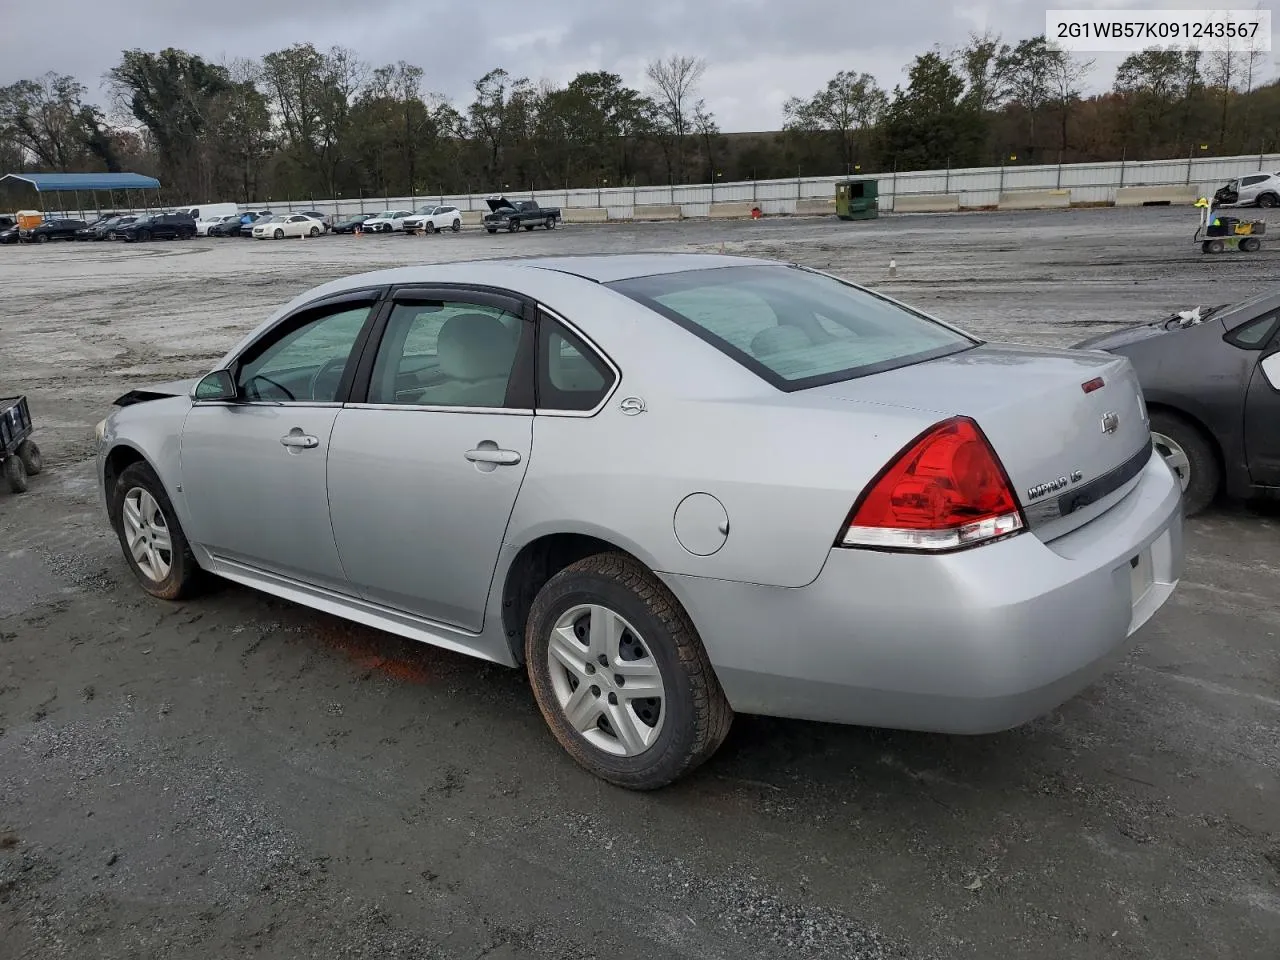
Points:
(592, 347)
(1232, 336)
(523, 369)
(303, 315)
(767, 374)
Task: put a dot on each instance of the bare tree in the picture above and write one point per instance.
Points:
(848, 105)
(674, 91)
(1066, 80)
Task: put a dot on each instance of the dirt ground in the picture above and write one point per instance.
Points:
(239, 776)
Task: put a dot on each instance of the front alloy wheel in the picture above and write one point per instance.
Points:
(146, 534)
(1191, 458)
(150, 535)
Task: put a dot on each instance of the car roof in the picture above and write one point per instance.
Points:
(505, 271)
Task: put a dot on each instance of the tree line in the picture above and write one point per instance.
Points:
(304, 122)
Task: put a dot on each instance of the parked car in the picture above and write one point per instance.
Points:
(157, 226)
(110, 231)
(204, 226)
(388, 221)
(248, 221)
(511, 459)
(9, 234)
(53, 230)
(89, 230)
(432, 219)
(287, 225)
(1211, 377)
(351, 224)
(1260, 189)
(6, 222)
(322, 218)
(232, 225)
(519, 213)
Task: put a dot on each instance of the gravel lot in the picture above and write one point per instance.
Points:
(239, 776)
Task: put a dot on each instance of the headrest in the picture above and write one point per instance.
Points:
(475, 346)
(778, 340)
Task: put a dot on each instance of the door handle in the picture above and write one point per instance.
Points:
(492, 455)
(299, 440)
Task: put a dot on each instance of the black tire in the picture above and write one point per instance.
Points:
(315, 231)
(15, 474)
(30, 456)
(279, 234)
(550, 223)
(1204, 471)
(184, 574)
(455, 226)
(696, 715)
(1269, 200)
(1250, 244)
(512, 226)
(429, 226)
(42, 238)
(1204, 247)
(1216, 246)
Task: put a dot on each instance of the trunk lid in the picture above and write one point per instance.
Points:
(1071, 454)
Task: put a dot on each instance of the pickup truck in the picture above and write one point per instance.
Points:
(520, 213)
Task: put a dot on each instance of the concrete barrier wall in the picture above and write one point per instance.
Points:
(657, 211)
(1035, 200)
(1137, 196)
(724, 211)
(815, 208)
(927, 203)
(584, 214)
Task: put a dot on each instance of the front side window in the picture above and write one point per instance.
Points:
(446, 354)
(570, 374)
(306, 364)
(792, 327)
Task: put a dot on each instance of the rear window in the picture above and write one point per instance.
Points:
(792, 327)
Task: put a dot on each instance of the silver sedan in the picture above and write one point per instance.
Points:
(671, 487)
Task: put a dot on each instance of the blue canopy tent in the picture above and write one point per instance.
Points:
(95, 184)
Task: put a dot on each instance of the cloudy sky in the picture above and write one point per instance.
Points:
(758, 52)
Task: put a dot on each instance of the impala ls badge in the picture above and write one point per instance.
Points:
(1110, 423)
(1053, 486)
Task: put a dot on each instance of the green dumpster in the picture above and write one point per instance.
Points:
(858, 199)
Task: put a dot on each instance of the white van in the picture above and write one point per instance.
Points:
(209, 211)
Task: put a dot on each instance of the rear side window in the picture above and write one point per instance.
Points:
(1250, 181)
(794, 328)
(571, 376)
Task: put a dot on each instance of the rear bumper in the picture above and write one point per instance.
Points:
(972, 642)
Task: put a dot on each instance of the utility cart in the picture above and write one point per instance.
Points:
(19, 456)
(1217, 233)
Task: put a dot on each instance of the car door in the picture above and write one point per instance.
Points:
(253, 469)
(425, 468)
(1262, 400)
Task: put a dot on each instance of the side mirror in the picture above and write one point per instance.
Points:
(219, 385)
(1271, 370)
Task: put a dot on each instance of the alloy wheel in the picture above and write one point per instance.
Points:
(147, 534)
(1175, 457)
(606, 680)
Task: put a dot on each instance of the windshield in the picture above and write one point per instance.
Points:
(792, 327)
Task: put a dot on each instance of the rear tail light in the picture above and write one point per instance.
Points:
(947, 490)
